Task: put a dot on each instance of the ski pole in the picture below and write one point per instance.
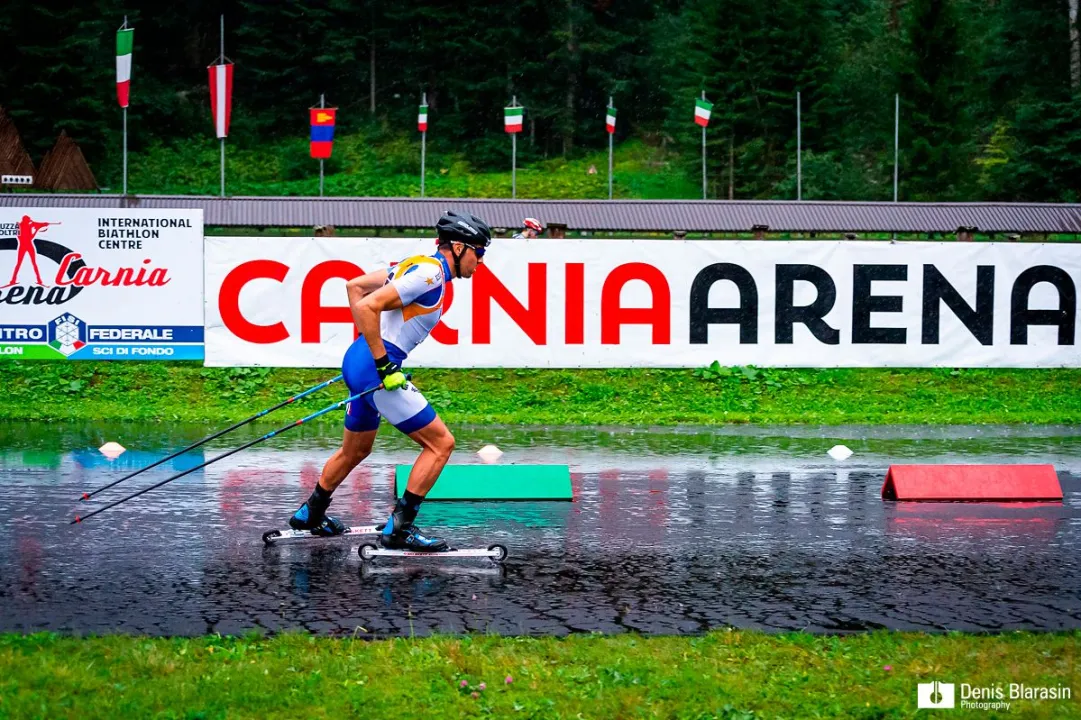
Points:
(208, 438)
(245, 446)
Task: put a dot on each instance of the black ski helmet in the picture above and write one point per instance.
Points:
(464, 228)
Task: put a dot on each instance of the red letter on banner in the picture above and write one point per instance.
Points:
(533, 321)
(229, 301)
(575, 306)
(441, 333)
(313, 315)
(659, 315)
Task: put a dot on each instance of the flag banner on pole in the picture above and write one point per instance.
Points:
(610, 120)
(422, 118)
(221, 96)
(124, 38)
(322, 138)
(702, 111)
(512, 119)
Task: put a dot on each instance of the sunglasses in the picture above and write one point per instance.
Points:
(478, 250)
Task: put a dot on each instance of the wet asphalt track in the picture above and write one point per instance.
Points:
(672, 532)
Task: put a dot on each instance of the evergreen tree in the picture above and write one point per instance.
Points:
(933, 121)
(318, 47)
(62, 75)
(989, 109)
(751, 59)
(1031, 150)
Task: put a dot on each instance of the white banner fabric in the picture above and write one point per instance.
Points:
(665, 303)
(89, 284)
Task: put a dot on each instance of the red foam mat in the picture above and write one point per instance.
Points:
(981, 483)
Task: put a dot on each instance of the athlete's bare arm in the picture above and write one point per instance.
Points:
(360, 287)
(366, 315)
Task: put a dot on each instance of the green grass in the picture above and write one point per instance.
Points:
(724, 674)
(389, 166)
(179, 391)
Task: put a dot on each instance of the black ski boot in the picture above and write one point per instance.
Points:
(396, 537)
(330, 527)
(411, 539)
(312, 516)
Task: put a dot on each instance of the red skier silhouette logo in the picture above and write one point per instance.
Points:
(72, 275)
(28, 230)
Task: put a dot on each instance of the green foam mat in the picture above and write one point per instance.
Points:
(495, 482)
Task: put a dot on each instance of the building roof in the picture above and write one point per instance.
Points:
(597, 215)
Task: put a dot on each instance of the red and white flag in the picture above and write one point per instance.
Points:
(221, 96)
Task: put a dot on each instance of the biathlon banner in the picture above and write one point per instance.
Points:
(101, 284)
(665, 303)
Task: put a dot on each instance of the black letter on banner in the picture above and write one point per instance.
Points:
(980, 322)
(864, 303)
(787, 314)
(1021, 317)
(702, 315)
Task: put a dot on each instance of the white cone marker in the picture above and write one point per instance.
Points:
(490, 453)
(112, 450)
(840, 452)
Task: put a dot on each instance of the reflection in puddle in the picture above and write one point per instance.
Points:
(670, 532)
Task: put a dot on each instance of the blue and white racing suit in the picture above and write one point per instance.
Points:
(421, 282)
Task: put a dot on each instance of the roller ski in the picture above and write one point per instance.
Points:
(311, 520)
(399, 537)
(495, 553)
(272, 537)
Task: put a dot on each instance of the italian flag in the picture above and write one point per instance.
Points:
(512, 119)
(610, 121)
(123, 64)
(702, 111)
(422, 118)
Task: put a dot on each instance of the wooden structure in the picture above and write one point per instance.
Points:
(65, 168)
(14, 160)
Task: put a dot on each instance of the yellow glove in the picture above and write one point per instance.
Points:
(390, 373)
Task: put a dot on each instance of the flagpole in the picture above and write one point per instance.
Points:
(423, 144)
(514, 155)
(125, 111)
(322, 104)
(703, 155)
(610, 104)
(731, 166)
(799, 148)
(125, 151)
(223, 139)
(896, 141)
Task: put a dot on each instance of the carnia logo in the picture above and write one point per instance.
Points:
(935, 695)
(67, 334)
(66, 277)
